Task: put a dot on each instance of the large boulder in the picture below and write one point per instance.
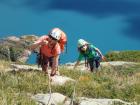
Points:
(59, 99)
(50, 99)
(90, 101)
(18, 67)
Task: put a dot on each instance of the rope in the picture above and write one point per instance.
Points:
(50, 90)
(74, 88)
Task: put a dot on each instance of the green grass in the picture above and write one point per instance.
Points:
(133, 56)
(4, 65)
(113, 82)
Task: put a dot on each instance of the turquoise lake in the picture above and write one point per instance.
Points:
(109, 25)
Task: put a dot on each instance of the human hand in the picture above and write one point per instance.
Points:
(103, 58)
(44, 42)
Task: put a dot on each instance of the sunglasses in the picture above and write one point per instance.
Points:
(52, 38)
(82, 47)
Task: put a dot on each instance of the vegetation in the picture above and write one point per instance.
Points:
(10, 50)
(120, 82)
(132, 56)
(111, 82)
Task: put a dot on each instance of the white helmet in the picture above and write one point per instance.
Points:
(55, 33)
(81, 43)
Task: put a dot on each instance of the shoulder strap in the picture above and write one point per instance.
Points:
(53, 48)
(90, 48)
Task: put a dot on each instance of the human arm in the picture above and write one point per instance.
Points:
(99, 52)
(55, 64)
(41, 41)
(78, 60)
(76, 64)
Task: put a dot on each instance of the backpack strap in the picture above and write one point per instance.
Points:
(86, 62)
(53, 48)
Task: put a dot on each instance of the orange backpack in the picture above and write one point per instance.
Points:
(63, 41)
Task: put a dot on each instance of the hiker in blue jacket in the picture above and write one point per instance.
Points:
(92, 55)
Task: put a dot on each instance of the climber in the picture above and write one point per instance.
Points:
(50, 47)
(92, 55)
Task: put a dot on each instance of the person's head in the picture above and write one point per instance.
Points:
(82, 45)
(55, 35)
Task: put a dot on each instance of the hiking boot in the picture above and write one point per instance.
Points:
(52, 74)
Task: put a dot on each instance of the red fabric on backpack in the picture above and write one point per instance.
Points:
(62, 41)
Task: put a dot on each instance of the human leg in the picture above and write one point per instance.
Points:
(91, 64)
(55, 63)
(45, 64)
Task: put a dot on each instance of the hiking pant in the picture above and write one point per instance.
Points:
(94, 63)
(48, 61)
(45, 62)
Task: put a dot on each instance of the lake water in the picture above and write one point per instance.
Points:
(108, 30)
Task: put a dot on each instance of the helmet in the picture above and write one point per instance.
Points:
(55, 33)
(81, 42)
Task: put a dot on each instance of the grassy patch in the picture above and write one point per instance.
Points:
(4, 65)
(133, 56)
(115, 82)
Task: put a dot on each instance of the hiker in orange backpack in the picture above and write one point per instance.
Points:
(51, 46)
(92, 55)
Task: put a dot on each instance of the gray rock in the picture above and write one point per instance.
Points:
(90, 101)
(50, 99)
(18, 67)
(116, 63)
(24, 56)
(60, 80)
(13, 38)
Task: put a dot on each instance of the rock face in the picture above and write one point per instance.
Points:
(50, 99)
(116, 63)
(24, 56)
(11, 48)
(13, 38)
(18, 67)
(59, 99)
(90, 101)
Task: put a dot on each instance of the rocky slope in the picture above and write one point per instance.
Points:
(57, 98)
(12, 47)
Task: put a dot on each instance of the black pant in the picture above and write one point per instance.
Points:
(93, 63)
(43, 60)
(47, 61)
